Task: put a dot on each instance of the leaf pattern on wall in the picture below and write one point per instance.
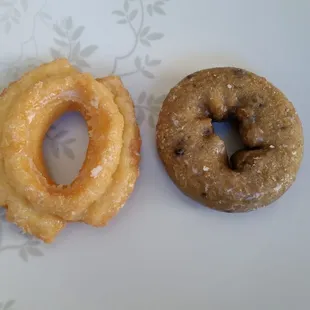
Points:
(8, 305)
(148, 107)
(133, 15)
(11, 13)
(67, 41)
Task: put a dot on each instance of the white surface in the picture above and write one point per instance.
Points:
(163, 251)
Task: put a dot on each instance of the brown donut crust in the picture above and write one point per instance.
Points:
(196, 159)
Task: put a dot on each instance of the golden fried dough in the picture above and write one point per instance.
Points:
(27, 109)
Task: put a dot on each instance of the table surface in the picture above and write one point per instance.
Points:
(163, 251)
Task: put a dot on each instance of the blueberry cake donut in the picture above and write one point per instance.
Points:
(195, 157)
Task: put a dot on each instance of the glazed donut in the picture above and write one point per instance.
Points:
(28, 107)
(127, 171)
(195, 157)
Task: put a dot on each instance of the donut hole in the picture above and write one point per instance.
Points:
(65, 146)
(228, 131)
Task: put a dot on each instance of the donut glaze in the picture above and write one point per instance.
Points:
(27, 109)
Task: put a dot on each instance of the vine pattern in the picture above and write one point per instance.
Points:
(147, 106)
(143, 35)
(9, 305)
(68, 44)
(12, 13)
(30, 247)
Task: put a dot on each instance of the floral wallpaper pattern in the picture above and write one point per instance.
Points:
(8, 305)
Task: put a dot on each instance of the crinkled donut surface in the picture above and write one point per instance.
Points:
(195, 157)
(27, 109)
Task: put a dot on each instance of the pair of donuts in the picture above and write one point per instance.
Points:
(28, 107)
(194, 156)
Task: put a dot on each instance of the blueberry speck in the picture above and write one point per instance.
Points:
(179, 151)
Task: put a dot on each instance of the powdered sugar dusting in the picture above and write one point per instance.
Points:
(69, 93)
(31, 117)
(95, 103)
(278, 187)
(95, 172)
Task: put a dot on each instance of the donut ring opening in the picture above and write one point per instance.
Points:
(228, 131)
(196, 158)
(64, 170)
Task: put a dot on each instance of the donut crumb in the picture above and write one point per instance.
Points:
(278, 187)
